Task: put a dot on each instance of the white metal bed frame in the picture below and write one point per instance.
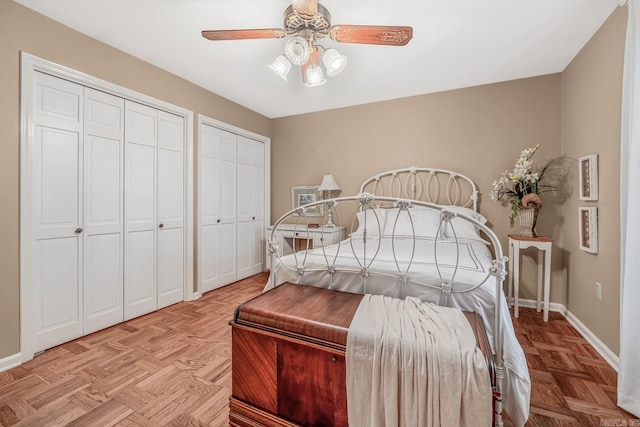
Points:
(406, 189)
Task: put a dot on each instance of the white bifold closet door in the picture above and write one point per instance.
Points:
(217, 225)
(57, 229)
(107, 216)
(250, 217)
(154, 263)
(77, 221)
(103, 210)
(231, 207)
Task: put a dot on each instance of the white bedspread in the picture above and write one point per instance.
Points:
(473, 259)
(414, 364)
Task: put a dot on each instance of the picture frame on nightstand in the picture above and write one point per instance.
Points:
(303, 195)
(588, 177)
(588, 229)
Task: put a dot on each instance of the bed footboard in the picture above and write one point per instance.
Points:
(443, 254)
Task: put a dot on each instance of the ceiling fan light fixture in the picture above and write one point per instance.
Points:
(297, 50)
(334, 61)
(281, 66)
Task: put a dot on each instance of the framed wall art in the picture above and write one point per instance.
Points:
(303, 195)
(588, 177)
(588, 229)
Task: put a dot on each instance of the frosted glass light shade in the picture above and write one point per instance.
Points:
(315, 77)
(281, 66)
(334, 62)
(297, 50)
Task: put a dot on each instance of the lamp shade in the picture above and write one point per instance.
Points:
(329, 183)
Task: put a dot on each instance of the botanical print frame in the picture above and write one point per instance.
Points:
(588, 229)
(588, 177)
(305, 194)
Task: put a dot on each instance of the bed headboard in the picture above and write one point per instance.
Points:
(439, 186)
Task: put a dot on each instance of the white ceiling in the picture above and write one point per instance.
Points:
(455, 44)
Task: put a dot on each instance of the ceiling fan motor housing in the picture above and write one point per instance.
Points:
(319, 23)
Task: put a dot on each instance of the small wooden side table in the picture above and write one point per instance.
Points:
(543, 244)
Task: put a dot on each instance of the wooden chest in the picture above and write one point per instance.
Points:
(288, 357)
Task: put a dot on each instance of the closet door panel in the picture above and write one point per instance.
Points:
(257, 211)
(170, 195)
(210, 195)
(58, 103)
(103, 184)
(245, 201)
(258, 180)
(245, 192)
(57, 182)
(103, 211)
(228, 177)
(257, 255)
(140, 285)
(227, 253)
(227, 207)
(103, 281)
(209, 209)
(170, 209)
(209, 257)
(170, 267)
(244, 249)
(140, 275)
(57, 211)
(141, 187)
(58, 312)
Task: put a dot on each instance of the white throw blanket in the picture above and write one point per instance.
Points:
(414, 364)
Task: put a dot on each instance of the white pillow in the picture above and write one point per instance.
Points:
(425, 222)
(375, 222)
(464, 229)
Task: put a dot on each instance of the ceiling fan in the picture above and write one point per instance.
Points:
(306, 22)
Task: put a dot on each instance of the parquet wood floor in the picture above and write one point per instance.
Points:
(173, 367)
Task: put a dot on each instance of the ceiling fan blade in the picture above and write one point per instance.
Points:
(371, 34)
(265, 33)
(305, 8)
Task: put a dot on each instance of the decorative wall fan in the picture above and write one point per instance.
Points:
(306, 22)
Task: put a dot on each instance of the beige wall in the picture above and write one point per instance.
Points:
(478, 131)
(24, 30)
(591, 110)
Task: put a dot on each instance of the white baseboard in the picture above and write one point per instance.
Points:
(608, 355)
(604, 351)
(531, 303)
(9, 362)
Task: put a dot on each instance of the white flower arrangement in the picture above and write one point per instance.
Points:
(522, 187)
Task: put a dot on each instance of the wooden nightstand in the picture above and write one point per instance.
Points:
(543, 244)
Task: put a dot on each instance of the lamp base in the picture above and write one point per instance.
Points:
(329, 223)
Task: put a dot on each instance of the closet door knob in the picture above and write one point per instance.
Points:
(218, 221)
(253, 218)
(161, 225)
(78, 230)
